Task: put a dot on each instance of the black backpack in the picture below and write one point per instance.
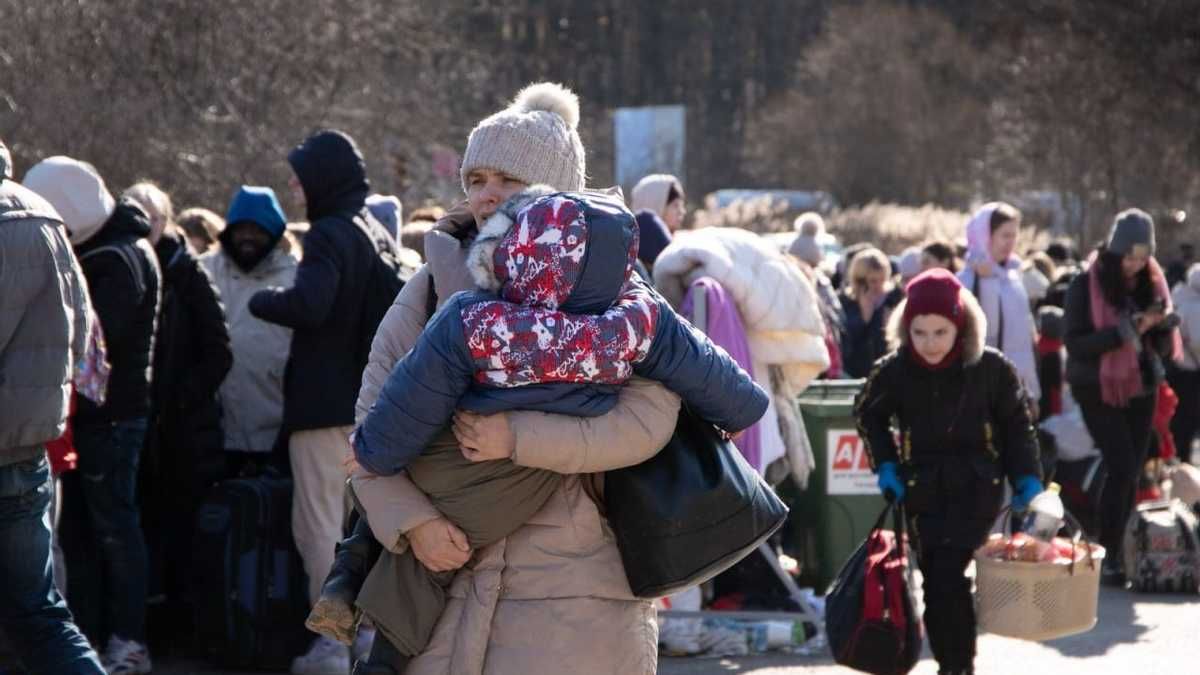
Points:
(386, 277)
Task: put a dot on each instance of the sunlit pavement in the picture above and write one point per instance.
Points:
(1136, 634)
(1140, 634)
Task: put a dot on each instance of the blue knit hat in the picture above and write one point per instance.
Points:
(257, 205)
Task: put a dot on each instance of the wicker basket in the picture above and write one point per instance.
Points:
(1037, 601)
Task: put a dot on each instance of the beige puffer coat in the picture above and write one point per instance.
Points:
(252, 393)
(552, 598)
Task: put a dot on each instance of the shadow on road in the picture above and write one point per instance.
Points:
(1117, 623)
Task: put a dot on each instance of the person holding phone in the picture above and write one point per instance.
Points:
(1120, 330)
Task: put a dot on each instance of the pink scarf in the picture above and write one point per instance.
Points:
(1120, 374)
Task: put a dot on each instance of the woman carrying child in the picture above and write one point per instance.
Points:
(551, 597)
(964, 427)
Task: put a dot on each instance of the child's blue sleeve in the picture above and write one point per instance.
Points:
(419, 397)
(704, 375)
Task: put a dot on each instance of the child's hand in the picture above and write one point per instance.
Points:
(439, 545)
(484, 438)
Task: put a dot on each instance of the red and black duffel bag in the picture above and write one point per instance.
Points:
(870, 615)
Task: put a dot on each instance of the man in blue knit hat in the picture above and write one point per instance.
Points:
(254, 255)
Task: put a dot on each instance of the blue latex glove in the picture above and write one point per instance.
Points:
(1024, 490)
(889, 481)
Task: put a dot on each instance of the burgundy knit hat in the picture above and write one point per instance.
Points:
(935, 291)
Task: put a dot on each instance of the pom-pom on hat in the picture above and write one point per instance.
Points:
(935, 291)
(536, 140)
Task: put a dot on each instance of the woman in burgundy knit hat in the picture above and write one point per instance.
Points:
(964, 428)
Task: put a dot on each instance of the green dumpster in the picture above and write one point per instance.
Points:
(835, 513)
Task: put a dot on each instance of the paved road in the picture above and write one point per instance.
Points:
(1137, 634)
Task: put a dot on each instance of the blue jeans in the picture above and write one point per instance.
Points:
(108, 470)
(34, 616)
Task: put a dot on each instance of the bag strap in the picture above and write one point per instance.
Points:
(1079, 536)
(360, 224)
(430, 298)
(135, 268)
(900, 527)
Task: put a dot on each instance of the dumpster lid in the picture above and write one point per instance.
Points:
(823, 390)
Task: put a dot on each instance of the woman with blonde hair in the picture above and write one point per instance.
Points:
(867, 301)
(156, 203)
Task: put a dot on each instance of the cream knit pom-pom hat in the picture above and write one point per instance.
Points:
(536, 139)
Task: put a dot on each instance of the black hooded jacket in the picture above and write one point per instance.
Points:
(325, 305)
(125, 285)
(192, 353)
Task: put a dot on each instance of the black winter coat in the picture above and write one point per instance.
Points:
(864, 342)
(1085, 345)
(192, 353)
(962, 430)
(125, 283)
(324, 307)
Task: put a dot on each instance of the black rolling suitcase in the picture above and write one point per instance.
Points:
(250, 587)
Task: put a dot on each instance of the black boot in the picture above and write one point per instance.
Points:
(334, 614)
(384, 659)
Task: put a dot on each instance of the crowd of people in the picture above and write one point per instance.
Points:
(147, 355)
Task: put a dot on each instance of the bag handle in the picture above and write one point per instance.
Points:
(1079, 535)
(899, 551)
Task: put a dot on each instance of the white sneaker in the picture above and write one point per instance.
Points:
(324, 657)
(126, 657)
(361, 648)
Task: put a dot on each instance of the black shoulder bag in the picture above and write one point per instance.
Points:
(690, 512)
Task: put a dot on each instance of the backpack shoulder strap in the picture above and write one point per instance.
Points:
(430, 299)
(135, 267)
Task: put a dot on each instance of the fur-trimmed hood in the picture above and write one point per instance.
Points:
(572, 251)
(973, 332)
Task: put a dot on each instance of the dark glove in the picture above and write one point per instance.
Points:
(889, 482)
(1024, 490)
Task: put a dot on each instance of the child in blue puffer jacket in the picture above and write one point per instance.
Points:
(559, 324)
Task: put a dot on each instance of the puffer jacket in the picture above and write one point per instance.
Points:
(1005, 301)
(782, 317)
(192, 352)
(44, 321)
(125, 285)
(324, 307)
(963, 429)
(1186, 298)
(559, 577)
(252, 394)
(454, 362)
(778, 303)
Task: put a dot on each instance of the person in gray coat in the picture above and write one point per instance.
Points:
(44, 323)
